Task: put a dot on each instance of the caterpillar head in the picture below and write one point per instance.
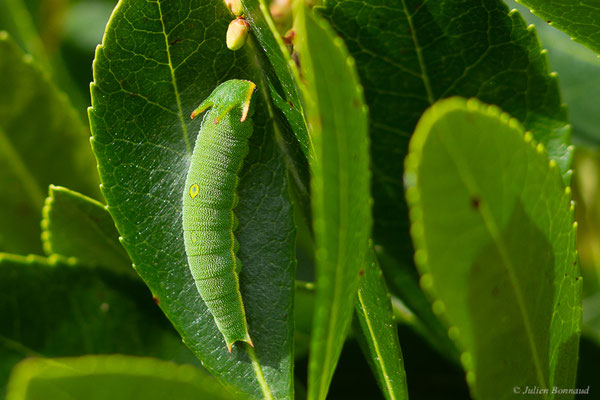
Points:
(226, 96)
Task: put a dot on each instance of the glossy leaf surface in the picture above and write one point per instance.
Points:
(158, 61)
(340, 179)
(411, 53)
(378, 332)
(578, 71)
(580, 19)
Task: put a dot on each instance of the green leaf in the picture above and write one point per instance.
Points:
(282, 87)
(37, 28)
(495, 241)
(276, 65)
(378, 334)
(158, 61)
(42, 141)
(579, 19)
(16, 19)
(77, 226)
(409, 55)
(111, 377)
(578, 69)
(337, 120)
(579, 73)
(52, 309)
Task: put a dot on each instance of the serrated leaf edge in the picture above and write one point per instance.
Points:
(412, 161)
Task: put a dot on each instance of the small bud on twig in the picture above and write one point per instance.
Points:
(235, 6)
(237, 33)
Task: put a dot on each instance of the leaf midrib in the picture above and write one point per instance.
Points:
(422, 66)
(494, 231)
(188, 145)
(388, 384)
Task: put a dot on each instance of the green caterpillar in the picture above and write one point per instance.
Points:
(208, 202)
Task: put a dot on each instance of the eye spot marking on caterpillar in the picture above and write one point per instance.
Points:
(194, 190)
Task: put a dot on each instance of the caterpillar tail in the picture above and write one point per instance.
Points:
(231, 342)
